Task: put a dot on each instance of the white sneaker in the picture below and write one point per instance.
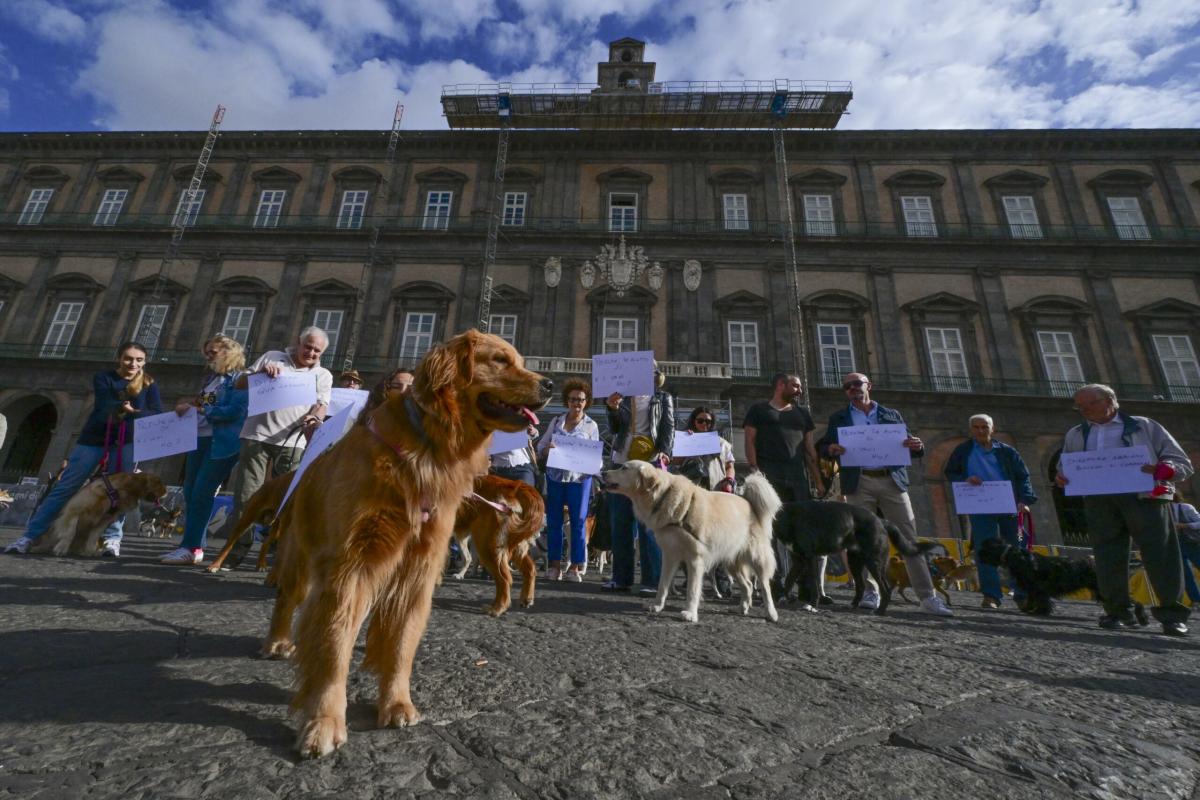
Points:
(574, 575)
(21, 545)
(934, 605)
(553, 574)
(183, 556)
(112, 548)
(870, 600)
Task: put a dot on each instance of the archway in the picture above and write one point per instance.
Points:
(1071, 519)
(31, 424)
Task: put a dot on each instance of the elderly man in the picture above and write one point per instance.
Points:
(885, 488)
(273, 443)
(982, 458)
(1114, 519)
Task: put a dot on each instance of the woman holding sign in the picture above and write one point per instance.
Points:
(979, 459)
(714, 471)
(106, 442)
(222, 410)
(570, 488)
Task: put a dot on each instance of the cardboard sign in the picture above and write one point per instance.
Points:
(355, 399)
(989, 497)
(585, 456)
(1117, 470)
(288, 390)
(505, 442)
(627, 373)
(162, 435)
(688, 443)
(327, 436)
(874, 446)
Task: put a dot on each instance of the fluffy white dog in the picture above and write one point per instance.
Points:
(702, 530)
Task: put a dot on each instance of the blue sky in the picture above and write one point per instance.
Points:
(77, 65)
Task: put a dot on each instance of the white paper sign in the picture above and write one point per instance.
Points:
(696, 444)
(627, 373)
(289, 389)
(874, 446)
(354, 399)
(326, 437)
(585, 456)
(989, 497)
(1114, 471)
(163, 435)
(504, 442)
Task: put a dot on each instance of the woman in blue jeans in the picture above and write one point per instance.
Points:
(122, 395)
(568, 488)
(222, 410)
(979, 459)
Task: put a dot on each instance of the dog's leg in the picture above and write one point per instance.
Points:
(740, 573)
(712, 576)
(793, 577)
(665, 577)
(528, 568)
(937, 585)
(695, 583)
(877, 569)
(496, 563)
(465, 549)
(857, 569)
(279, 636)
(601, 562)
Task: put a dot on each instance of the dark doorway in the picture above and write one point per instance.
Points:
(1071, 520)
(31, 438)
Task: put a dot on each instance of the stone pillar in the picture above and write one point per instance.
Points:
(967, 194)
(1182, 214)
(31, 299)
(893, 359)
(1070, 198)
(470, 287)
(868, 198)
(111, 300)
(1117, 351)
(780, 328)
(229, 201)
(199, 304)
(287, 302)
(1002, 339)
(72, 206)
(70, 422)
(162, 174)
(379, 300)
(310, 206)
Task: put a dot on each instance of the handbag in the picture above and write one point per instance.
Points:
(641, 448)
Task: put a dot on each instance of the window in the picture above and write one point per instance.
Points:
(237, 324)
(418, 334)
(737, 212)
(35, 206)
(620, 335)
(1179, 366)
(270, 208)
(1022, 217)
(918, 215)
(818, 215)
(1127, 218)
(743, 348)
(62, 330)
(504, 326)
(354, 206)
(514, 208)
(837, 353)
(437, 211)
(622, 212)
(188, 208)
(947, 360)
(110, 206)
(330, 321)
(1061, 360)
(150, 325)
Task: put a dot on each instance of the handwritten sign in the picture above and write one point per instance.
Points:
(585, 456)
(989, 497)
(696, 444)
(504, 442)
(355, 399)
(1114, 471)
(163, 435)
(326, 437)
(874, 446)
(627, 373)
(289, 389)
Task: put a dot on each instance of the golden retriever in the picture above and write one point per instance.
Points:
(260, 509)
(366, 530)
(77, 528)
(702, 530)
(502, 537)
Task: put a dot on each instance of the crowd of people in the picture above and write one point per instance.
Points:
(243, 451)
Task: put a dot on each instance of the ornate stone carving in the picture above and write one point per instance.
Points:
(654, 276)
(691, 274)
(620, 264)
(587, 275)
(553, 271)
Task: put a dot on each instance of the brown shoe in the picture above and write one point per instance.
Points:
(990, 604)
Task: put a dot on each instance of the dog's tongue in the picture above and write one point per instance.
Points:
(529, 415)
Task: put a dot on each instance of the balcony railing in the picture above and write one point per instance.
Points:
(672, 369)
(824, 231)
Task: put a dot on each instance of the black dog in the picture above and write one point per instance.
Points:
(1043, 578)
(815, 528)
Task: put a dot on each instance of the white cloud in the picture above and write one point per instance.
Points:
(446, 19)
(47, 20)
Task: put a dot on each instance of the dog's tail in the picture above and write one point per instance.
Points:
(764, 502)
(906, 545)
(528, 520)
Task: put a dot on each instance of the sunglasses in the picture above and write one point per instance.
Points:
(576, 399)
(854, 384)
(703, 421)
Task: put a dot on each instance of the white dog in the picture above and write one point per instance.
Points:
(702, 529)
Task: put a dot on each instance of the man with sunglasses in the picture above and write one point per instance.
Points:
(885, 488)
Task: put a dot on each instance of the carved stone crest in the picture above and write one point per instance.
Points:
(620, 264)
(587, 275)
(553, 271)
(691, 274)
(654, 276)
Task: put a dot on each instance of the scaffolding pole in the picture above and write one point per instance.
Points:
(796, 313)
(495, 214)
(358, 313)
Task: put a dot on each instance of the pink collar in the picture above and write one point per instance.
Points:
(503, 508)
(426, 506)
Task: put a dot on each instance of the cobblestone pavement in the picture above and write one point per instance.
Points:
(133, 680)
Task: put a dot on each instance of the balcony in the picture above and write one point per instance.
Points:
(672, 369)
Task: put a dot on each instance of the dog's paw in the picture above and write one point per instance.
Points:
(527, 603)
(321, 736)
(458, 576)
(278, 650)
(689, 616)
(773, 615)
(495, 611)
(745, 609)
(398, 715)
(655, 608)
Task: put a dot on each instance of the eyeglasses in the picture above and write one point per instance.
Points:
(703, 421)
(854, 384)
(576, 399)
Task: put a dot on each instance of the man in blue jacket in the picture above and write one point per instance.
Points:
(982, 458)
(885, 488)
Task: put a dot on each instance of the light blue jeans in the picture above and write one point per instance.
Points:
(204, 476)
(81, 463)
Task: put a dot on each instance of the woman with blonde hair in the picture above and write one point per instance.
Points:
(105, 444)
(222, 410)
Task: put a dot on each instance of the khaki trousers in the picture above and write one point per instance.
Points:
(884, 494)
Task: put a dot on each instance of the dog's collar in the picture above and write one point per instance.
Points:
(426, 506)
(114, 499)
(503, 508)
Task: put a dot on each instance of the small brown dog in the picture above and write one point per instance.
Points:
(78, 526)
(6, 498)
(500, 538)
(946, 572)
(160, 522)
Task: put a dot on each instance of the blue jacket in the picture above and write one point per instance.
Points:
(849, 475)
(109, 388)
(226, 414)
(1011, 465)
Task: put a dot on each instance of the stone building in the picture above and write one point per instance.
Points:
(965, 270)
